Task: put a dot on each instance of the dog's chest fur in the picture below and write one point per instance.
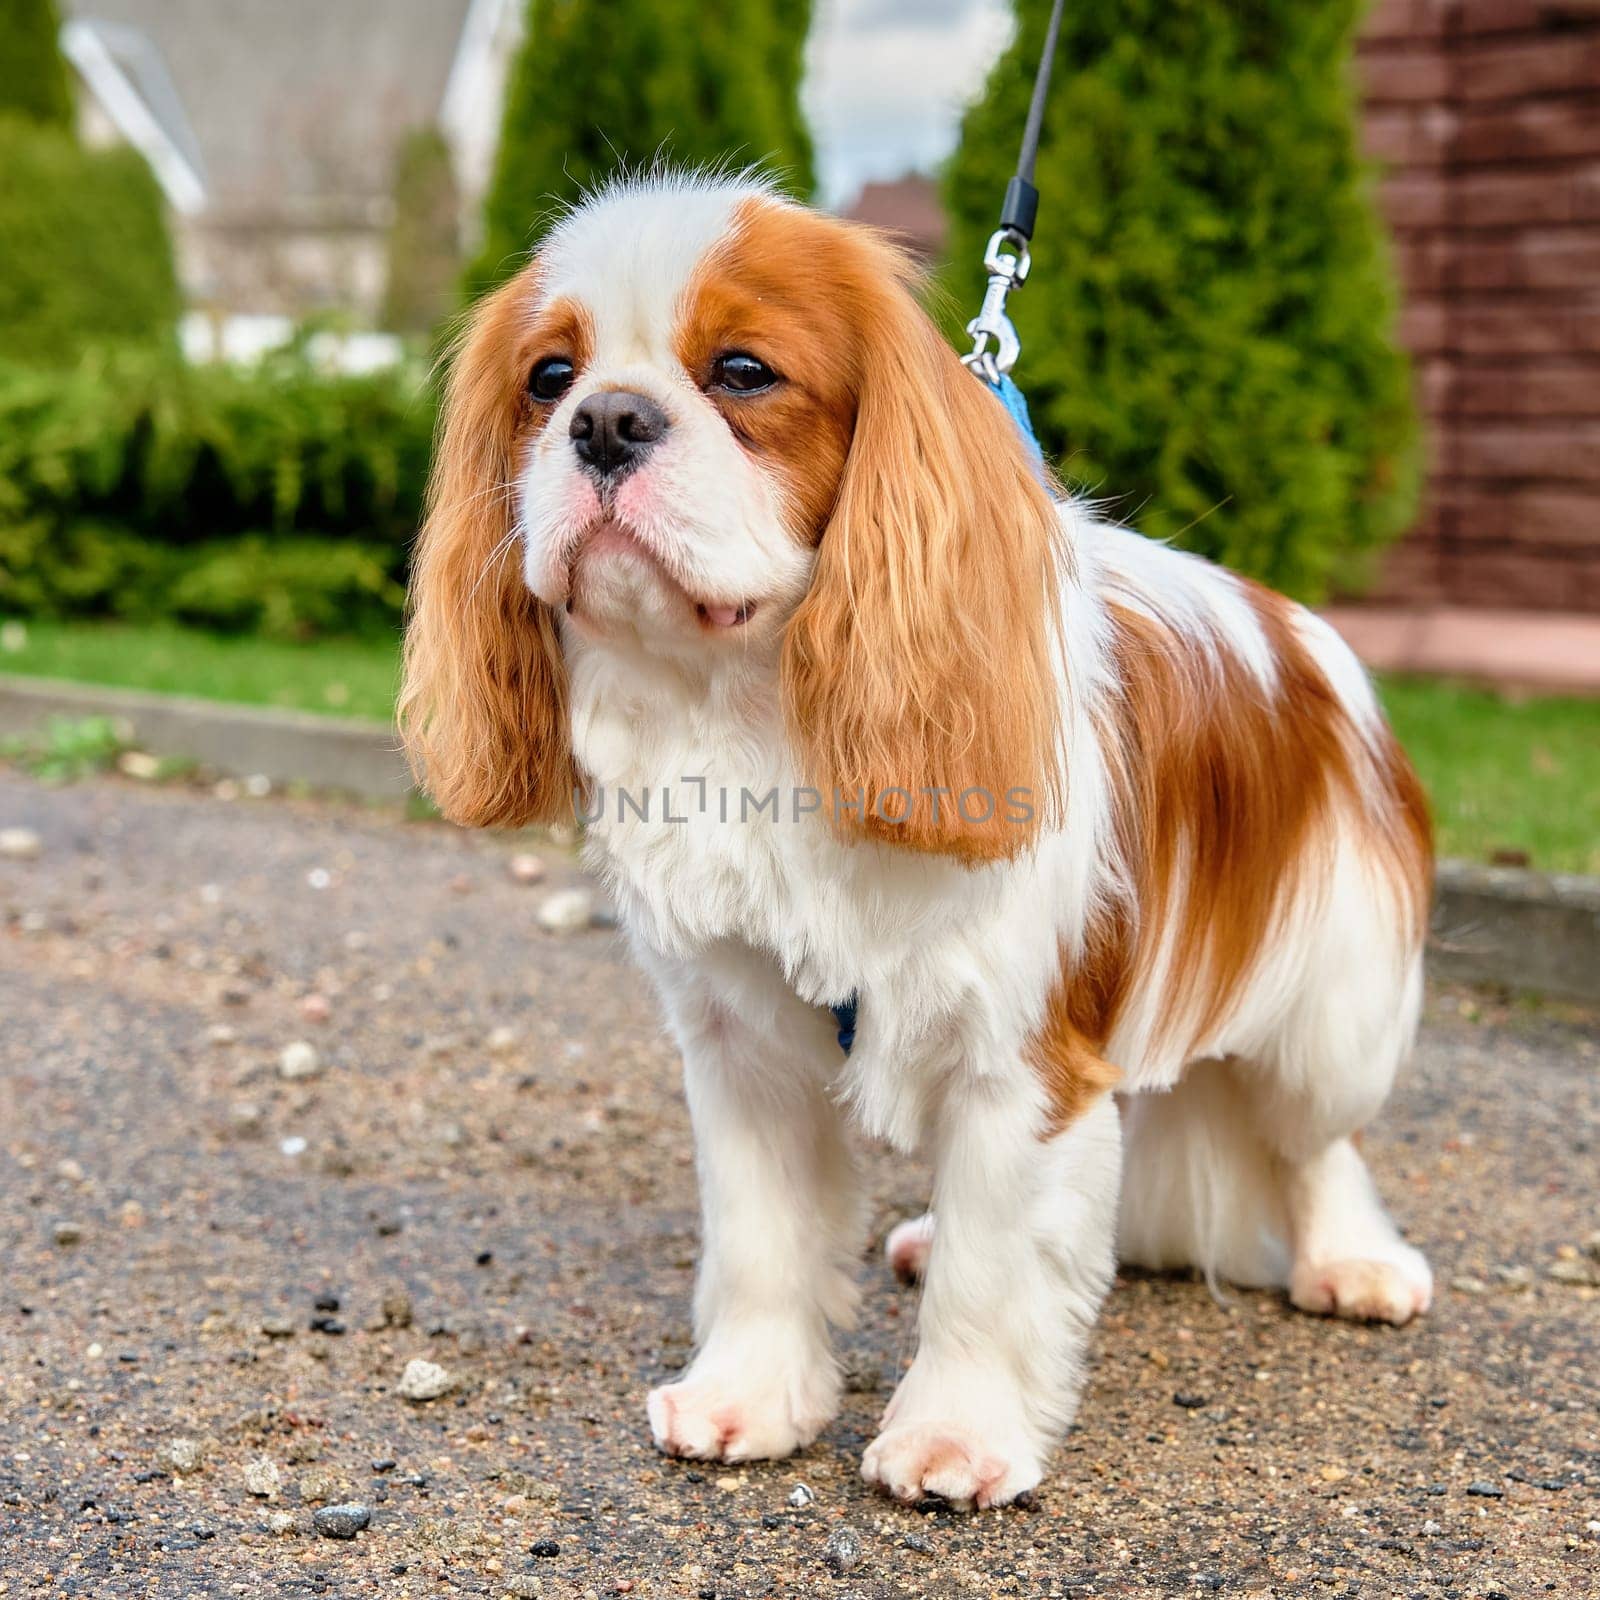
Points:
(732, 845)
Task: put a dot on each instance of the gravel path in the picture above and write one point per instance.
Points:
(219, 1255)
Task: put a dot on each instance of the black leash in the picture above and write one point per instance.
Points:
(1006, 258)
(1021, 206)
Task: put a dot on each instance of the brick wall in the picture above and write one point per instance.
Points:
(1486, 114)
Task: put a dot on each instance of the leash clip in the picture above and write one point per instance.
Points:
(1007, 262)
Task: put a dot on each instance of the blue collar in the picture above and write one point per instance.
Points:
(1016, 404)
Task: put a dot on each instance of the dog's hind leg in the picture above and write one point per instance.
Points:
(1200, 1187)
(1332, 1069)
(907, 1246)
(1212, 1183)
(1349, 1258)
(1248, 1169)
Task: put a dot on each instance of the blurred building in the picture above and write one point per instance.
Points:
(274, 126)
(908, 207)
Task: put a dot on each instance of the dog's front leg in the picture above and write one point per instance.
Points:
(1020, 1259)
(780, 1207)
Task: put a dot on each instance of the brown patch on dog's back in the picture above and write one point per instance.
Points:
(1065, 1057)
(1225, 791)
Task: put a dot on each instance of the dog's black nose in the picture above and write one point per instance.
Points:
(613, 430)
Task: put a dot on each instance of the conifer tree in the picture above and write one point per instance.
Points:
(602, 83)
(85, 259)
(1208, 330)
(424, 254)
(34, 82)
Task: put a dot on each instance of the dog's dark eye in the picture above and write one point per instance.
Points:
(551, 378)
(739, 372)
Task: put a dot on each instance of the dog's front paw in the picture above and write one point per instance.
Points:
(719, 1412)
(957, 1463)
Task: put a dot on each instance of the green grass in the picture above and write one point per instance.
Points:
(1505, 774)
(344, 677)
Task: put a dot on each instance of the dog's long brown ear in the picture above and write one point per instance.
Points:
(483, 703)
(921, 659)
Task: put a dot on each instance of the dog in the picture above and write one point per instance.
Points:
(1110, 851)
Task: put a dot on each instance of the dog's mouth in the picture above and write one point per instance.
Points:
(609, 537)
(725, 616)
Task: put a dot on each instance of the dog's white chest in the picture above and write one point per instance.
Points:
(705, 832)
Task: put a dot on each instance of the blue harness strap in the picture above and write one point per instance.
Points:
(845, 1016)
(1016, 404)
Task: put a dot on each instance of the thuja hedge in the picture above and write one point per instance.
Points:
(600, 84)
(276, 498)
(1208, 334)
(34, 81)
(84, 254)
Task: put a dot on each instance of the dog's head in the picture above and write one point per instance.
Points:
(705, 420)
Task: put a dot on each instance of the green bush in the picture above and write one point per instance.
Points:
(84, 254)
(288, 588)
(277, 499)
(1208, 330)
(602, 83)
(34, 82)
(424, 255)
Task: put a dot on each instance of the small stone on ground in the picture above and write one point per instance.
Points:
(425, 1380)
(182, 1455)
(566, 911)
(341, 1521)
(526, 868)
(299, 1059)
(20, 844)
(842, 1552)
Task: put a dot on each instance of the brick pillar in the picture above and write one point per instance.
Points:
(1485, 115)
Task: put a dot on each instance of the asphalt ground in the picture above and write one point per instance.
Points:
(491, 1170)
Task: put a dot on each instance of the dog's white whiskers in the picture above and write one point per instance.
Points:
(495, 558)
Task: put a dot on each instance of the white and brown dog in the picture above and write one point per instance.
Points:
(723, 537)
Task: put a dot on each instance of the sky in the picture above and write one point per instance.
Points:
(886, 82)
